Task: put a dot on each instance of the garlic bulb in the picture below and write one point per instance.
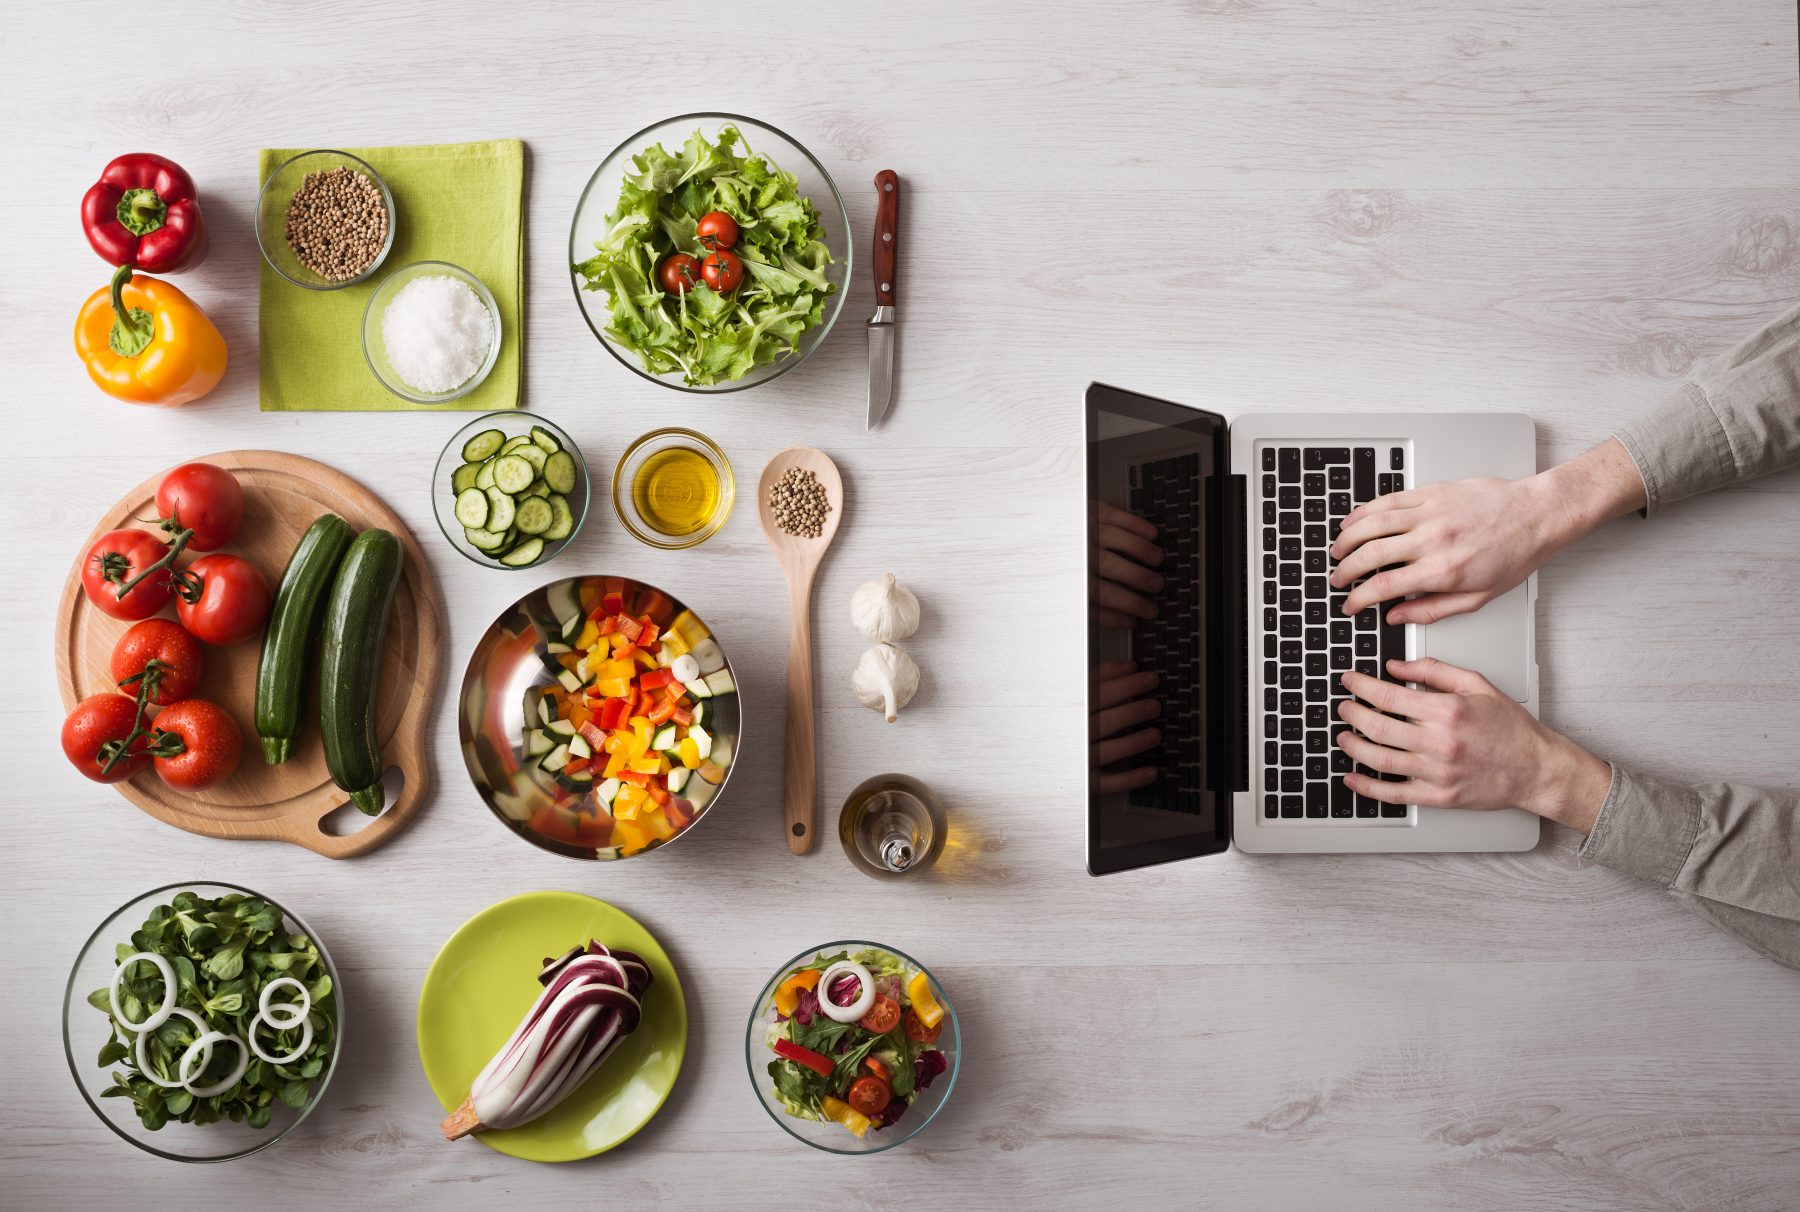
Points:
(885, 680)
(884, 610)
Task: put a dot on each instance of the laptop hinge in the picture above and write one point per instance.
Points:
(1237, 621)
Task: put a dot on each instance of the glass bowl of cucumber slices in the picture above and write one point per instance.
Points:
(510, 490)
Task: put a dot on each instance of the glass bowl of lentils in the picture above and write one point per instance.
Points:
(431, 332)
(325, 220)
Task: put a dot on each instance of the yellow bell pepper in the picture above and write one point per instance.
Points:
(621, 670)
(646, 659)
(689, 752)
(590, 632)
(690, 629)
(673, 645)
(614, 765)
(923, 1003)
(646, 765)
(841, 1112)
(631, 836)
(144, 342)
(787, 995)
(614, 688)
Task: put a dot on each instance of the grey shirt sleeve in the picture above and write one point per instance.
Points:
(1730, 852)
(1737, 419)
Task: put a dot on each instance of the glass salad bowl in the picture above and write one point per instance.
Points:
(510, 548)
(601, 199)
(538, 739)
(826, 1134)
(85, 1032)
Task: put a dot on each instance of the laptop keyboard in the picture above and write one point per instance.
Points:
(1302, 495)
(1166, 492)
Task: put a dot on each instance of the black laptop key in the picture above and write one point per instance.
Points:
(1338, 478)
(1313, 483)
(1290, 600)
(1271, 698)
(1337, 603)
(1271, 779)
(1393, 810)
(1318, 768)
(1271, 723)
(1318, 715)
(1397, 458)
(1368, 618)
(1316, 691)
(1268, 486)
(1292, 805)
(1314, 458)
(1289, 465)
(1316, 739)
(1314, 561)
(1315, 613)
(1291, 677)
(1269, 592)
(1289, 652)
(1393, 643)
(1290, 573)
(1315, 665)
(1340, 659)
(1269, 565)
(1268, 543)
(1290, 703)
(1340, 761)
(1271, 803)
(1390, 482)
(1315, 638)
(1288, 549)
(1292, 757)
(1269, 513)
(1340, 630)
(1313, 510)
(1292, 779)
(1316, 802)
(1317, 587)
(1271, 618)
(1366, 644)
(1290, 522)
(1334, 528)
(1362, 469)
(1272, 756)
(1292, 728)
(1342, 798)
(1338, 504)
(1290, 627)
(1369, 669)
(1289, 496)
(1268, 458)
(1366, 807)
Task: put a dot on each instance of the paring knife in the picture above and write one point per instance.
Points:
(883, 327)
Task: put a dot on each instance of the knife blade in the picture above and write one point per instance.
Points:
(883, 326)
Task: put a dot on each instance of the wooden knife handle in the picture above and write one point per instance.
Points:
(887, 234)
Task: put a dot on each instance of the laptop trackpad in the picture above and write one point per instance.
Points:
(1495, 641)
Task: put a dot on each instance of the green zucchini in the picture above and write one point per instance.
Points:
(281, 677)
(356, 620)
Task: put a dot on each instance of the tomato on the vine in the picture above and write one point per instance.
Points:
(97, 720)
(883, 1016)
(118, 558)
(196, 744)
(919, 1033)
(223, 599)
(716, 229)
(205, 499)
(679, 274)
(723, 271)
(870, 1095)
(176, 653)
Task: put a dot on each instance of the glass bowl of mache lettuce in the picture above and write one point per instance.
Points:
(245, 968)
(642, 206)
(848, 1084)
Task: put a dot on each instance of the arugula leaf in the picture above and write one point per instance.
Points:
(706, 337)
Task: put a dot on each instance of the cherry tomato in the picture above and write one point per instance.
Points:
(205, 499)
(883, 1016)
(870, 1095)
(160, 640)
(209, 744)
(722, 270)
(115, 560)
(95, 721)
(231, 599)
(679, 274)
(919, 1033)
(716, 229)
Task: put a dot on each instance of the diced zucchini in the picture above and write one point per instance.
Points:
(678, 778)
(571, 628)
(719, 683)
(464, 477)
(533, 515)
(472, 508)
(701, 738)
(555, 760)
(482, 445)
(500, 511)
(537, 742)
(564, 600)
(513, 474)
(698, 690)
(567, 677)
(707, 653)
(578, 747)
(525, 553)
(665, 657)
(562, 524)
(699, 712)
(545, 440)
(605, 792)
(559, 473)
(577, 779)
(560, 727)
(547, 711)
(721, 751)
(664, 740)
(557, 648)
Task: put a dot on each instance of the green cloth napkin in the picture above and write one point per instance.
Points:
(456, 202)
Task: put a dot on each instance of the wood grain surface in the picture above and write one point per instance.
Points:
(1253, 205)
(283, 495)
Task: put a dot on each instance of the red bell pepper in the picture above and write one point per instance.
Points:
(653, 678)
(661, 713)
(804, 1056)
(650, 633)
(613, 603)
(612, 715)
(627, 626)
(595, 737)
(634, 777)
(683, 716)
(144, 212)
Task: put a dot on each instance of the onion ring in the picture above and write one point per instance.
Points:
(286, 1022)
(169, 992)
(144, 1063)
(208, 1040)
(306, 1039)
(865, 1000)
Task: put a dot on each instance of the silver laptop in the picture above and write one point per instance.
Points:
(1248, 639)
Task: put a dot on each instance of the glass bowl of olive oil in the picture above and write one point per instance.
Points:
(673, 488)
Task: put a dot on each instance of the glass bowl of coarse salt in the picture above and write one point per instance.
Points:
(431, 332)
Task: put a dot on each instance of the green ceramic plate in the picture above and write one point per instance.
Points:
(485, 979)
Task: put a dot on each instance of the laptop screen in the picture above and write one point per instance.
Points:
(1160, 692)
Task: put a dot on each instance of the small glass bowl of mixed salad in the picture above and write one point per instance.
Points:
(852, 1047)
(202, 1022)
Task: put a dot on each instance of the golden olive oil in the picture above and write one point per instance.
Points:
(676, 491)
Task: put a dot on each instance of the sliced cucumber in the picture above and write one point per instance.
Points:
(545, 440)
(513, 474)
(500, 517)
(464, 477)
(606, 792)
(524, 554)
(472, 507)
(513, 444)
(538, 489)
(562, 523)
(559, 473)
(530, 453)
(533, 515)
(484, 478)
(484, 540)
(482, 445)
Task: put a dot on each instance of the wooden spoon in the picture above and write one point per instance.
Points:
(799, 559)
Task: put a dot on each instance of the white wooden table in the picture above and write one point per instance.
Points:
(1251, 205)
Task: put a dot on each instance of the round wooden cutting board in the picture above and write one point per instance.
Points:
(284, 494)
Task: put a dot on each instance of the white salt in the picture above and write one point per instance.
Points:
(437, 333)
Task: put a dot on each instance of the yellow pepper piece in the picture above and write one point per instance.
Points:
(144, 342)
(613, 688)
(689, 752)
(839, 1111)
(646, 765)
(673, 645)
(614, 765)
(590, 632)
(787, 995)
(621, 670)
(630, 835)
(619, 642)
(923, 1003)
(690, 629)
(646, 659)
